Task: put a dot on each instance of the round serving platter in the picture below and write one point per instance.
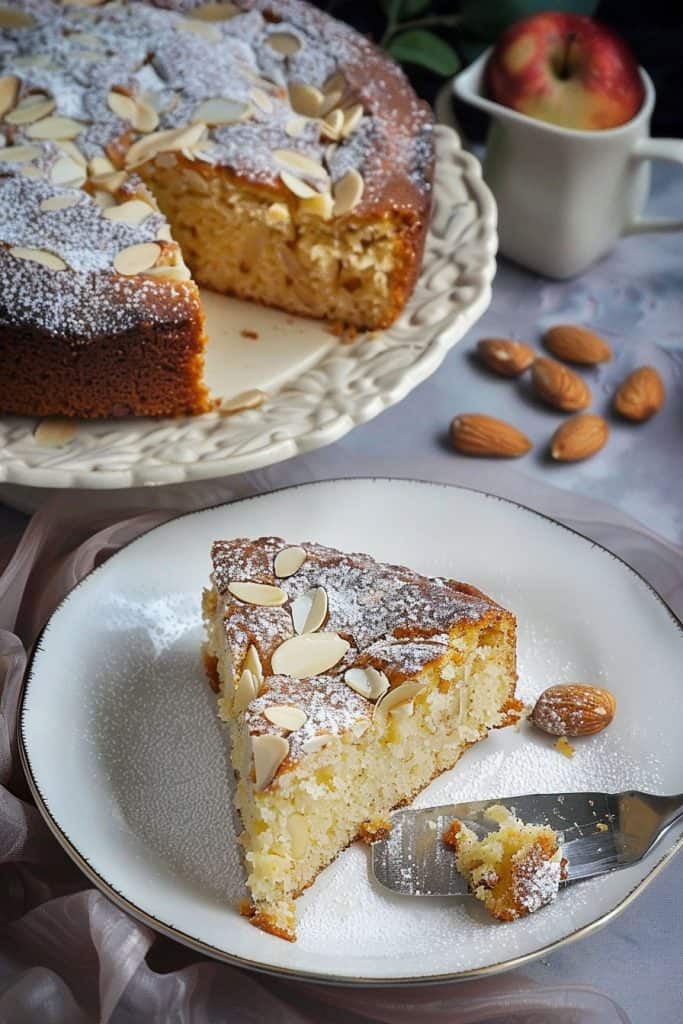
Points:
(121, 714)
(316, 386)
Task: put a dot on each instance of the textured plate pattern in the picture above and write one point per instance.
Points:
(349, 385)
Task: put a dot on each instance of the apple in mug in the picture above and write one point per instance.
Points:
(566, 69)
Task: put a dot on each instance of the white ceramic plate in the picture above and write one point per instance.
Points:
(128, 761)
(318, 388)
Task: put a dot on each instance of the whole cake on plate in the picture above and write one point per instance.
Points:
(258, 148)
(347, 686)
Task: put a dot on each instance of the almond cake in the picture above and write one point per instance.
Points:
(347, 685)
(514, 870)
(258, 148)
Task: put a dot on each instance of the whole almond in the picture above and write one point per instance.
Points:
(641, 395)
(559, 386)
(577, 345)
(575, 709)
(475, 434)
(579, 437)
(509, 358)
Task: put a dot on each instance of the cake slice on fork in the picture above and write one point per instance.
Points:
(347, 686)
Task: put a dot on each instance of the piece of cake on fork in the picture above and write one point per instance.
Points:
(347, 686)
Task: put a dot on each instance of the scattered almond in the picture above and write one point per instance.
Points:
(509, 358)
(268, 752)
(641, 395)
(577, 345)
(579, 438)
(258, 593)
(308, 654)
(288, 561)
(54, 432)
(559, 386)
(309, 610)
(475, 434)
(575, 709)
(286, 716)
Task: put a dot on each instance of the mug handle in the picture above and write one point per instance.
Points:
(656, 149)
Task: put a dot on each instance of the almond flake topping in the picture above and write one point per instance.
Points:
(59, 202)
(54, 432)
(319, 205)
(30, 110)
(121, 105)
(136, 258)
(300, 164)
(55, 128)
(262, 100)
(268, 752)
(308, 654)
(66, 171)
(221, 111)
(295, 126)
(393, 701)
(47, 259)
(134, 211)
(9, 90)
(368, 682)
(258, 593)
(348, 192)
(19, 154)
(216, 11)
(352, 118)
(305, 99)
(252, 399)
(309, 610)
(284, 43)
(297, 186)
(253, 663)
(288, 561)
(246, 690)
(200, 28)
(286, 716)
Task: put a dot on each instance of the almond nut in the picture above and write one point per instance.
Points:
(509, 358)
(575, 709)
(559, 386)
(476, 434)
(641, 395)
(577, 345)
(579, 437)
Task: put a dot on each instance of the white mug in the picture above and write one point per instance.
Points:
(565, 196)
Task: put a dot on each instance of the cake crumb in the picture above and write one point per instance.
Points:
(248, 333)
(602, 827)
(373, 830)
(564, 747)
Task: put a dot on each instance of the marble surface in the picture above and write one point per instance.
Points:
(635, 298)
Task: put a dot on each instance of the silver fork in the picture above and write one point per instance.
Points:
(601, 832)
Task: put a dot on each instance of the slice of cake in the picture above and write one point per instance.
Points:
(515, 869)
(347, 685)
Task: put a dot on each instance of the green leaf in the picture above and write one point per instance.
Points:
(411, 8)
(424, 48)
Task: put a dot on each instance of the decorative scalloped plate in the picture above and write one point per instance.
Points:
(317, 387)
(128, 763)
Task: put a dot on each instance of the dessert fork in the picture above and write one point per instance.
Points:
(600, 832)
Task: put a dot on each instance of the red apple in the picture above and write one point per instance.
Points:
(566, 69)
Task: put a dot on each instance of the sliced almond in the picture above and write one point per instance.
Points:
(305, 99)
(9, 90)
(170, 141)
(42, 256)
(347, 192)
(315, 743)
(352, 118)
(262, 594)
(288, 561)
(100, 165)
(396, 698)
(66, 171)
(178, 272)
(368, 682)
(245, 691)
(145, 117)
(200, 28)
(333, 124)
(10, 17)
(220, 111)
(308, 654)
(286, 716)
(309, 610)
(135, 259)
(59, 202)
(300, 164)
(297, 186)
(251, 399)
(268, 752)
(330, 100)
(103, 199)
(29, 171)
(121, 105)
(320, 205)
(55, 128)
(111, 182)
(216, 11)
(28, 112)
(295, 127)
(252, 662)
(54, 432)
(134, 211)
(18, 154)
(335, 83)
(262, 100)
(284, 43)
(360, 727)
(298, 833)
(164, 234)
(71, 149)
